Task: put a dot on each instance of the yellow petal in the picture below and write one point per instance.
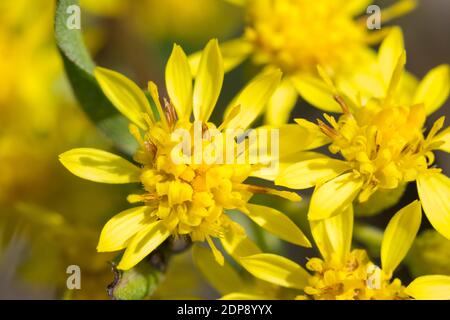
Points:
(218, 256)
(208, 82)
(121, 228)
(398, 9)
(334, 196)
(315, 92)
(296, 138)
(243, 296)
(238, 245)
(311, 172)
(434, 287)
(253, 98)
(284, 162)
(397, 76)
(444, 139)
(434, 193)
(390, 50)
(277, 223)
(179, 82)
(143, 243)
(124, 94)
(333, 236)
(276, 269)
(281, 103)
(399, 236)
(434, 88)
(223, 278)
(99, 166)
(234, 52)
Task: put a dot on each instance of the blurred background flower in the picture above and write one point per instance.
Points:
(50, 219)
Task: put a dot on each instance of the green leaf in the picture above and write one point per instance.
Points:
(79, 67)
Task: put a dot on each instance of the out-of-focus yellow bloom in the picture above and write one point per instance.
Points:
(31, 97)
(52, 244)
(297, 35)
(381, 140)
(187, 198)
(343, 274)
(39, 119)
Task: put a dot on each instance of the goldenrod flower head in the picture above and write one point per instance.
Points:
(357, 278)
(345, 274)
(182, 198)
(380, 136)
(297, 35)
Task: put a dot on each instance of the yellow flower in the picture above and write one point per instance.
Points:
(344, 274)
(380, 137)
(296, 35)
(181, 198)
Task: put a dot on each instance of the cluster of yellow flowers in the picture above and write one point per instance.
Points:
(376, 144)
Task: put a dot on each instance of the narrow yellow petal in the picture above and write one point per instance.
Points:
(315, 92)
(398, 9)
(276, 269)
(277, 223)
(208, 82)
(444, 139)
(281, 104)
(243, 296)
(390, 50)
(334, 196)
(434, 287)
(179, 82)
(434, 88)
(333, 236)
(295, 138)
(143, 243)
(218, 256)
(124, 94)
(121, 228)
(234, 52)
(238, 245)
(223, 278)
(399, 236)
(99, 166)
(396, 78)
(253, 98)
(434, 193)
(311, 172)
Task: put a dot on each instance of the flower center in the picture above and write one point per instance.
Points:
(357, 278)
(297, 35)
(189, 196)
(383, 144)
